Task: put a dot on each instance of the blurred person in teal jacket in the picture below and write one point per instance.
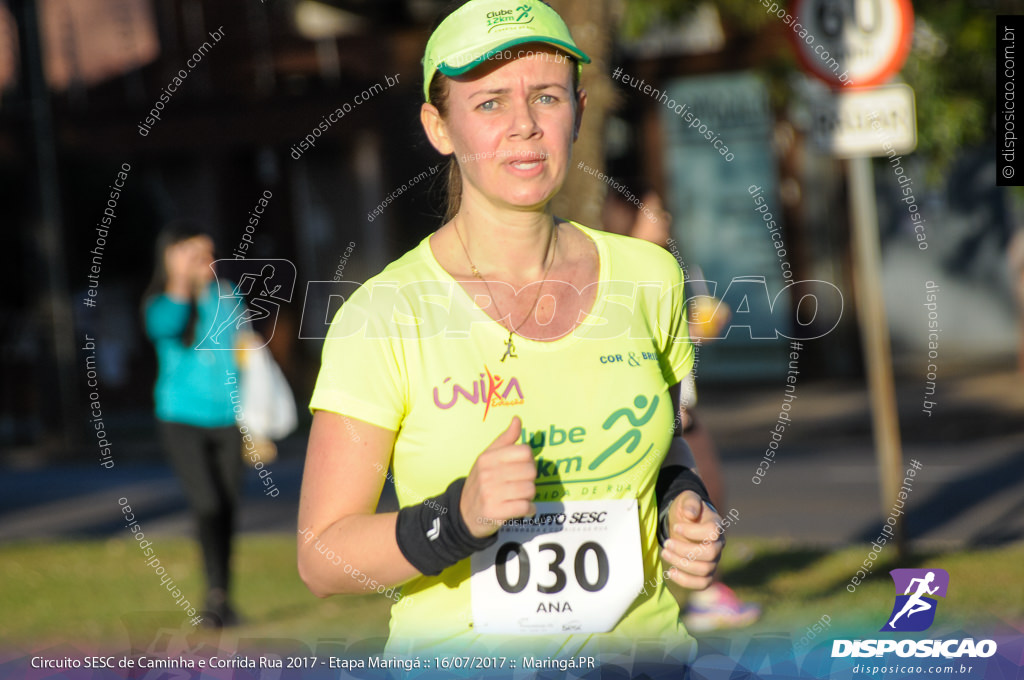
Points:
(193, 399)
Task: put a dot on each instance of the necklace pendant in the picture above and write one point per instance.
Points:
(510, 349)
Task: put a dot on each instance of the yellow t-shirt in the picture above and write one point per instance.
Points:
(411, 352)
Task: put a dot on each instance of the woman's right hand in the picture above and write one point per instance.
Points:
(188, 266)
(500, 486)
(178, 261)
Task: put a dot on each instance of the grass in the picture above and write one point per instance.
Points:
(92, 593)
(797, 585)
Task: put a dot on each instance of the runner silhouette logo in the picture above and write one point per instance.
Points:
(914, 609)
(251, 293)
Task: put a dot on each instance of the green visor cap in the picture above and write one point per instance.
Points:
(481, 29)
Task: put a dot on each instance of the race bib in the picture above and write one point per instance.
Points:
(574, 567)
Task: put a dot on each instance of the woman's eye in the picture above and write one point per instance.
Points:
(489, 105)
(546, 99)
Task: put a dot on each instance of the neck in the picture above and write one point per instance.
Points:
(513, 245)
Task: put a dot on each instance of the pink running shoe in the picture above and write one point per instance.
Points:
(717, 608)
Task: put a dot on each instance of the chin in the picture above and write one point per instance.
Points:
(533, 198)
(530, 203)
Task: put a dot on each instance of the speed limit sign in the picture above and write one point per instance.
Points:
(859, 43)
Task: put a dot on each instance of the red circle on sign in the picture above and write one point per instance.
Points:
(896, 52)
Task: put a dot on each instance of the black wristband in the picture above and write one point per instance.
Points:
(433, 536)
(672, 481)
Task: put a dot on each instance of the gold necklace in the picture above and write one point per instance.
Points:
(510, 348)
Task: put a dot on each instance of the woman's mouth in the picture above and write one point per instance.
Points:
(528, 163)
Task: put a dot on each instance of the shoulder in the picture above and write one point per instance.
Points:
(162, 303)
(401, 283)
(633, 258)
(415, 265)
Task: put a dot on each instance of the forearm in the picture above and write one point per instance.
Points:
(679, 453)
(678, 473)
(352, 555)
(339, 532)
(341, 488)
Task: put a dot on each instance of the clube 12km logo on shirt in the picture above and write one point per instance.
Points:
(914, 611)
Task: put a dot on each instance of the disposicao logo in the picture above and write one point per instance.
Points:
(914, 611)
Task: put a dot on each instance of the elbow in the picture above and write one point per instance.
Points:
(322, 594)
(313, 581)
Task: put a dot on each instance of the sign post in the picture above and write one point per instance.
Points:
(874, 336)
(866, 42)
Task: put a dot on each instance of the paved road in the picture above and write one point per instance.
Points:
(823, 484)
(821, 487)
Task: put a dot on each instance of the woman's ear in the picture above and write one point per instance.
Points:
(437, 131)
(581, 104)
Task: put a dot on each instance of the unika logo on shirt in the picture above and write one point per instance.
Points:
(489, 390)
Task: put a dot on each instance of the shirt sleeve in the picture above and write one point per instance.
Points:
(675, 349)
(362, 373)
(165, 317)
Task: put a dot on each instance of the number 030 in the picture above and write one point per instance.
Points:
(506, 551)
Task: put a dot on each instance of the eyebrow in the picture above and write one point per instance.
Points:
(505, 90)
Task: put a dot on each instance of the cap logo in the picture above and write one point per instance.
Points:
(506, 17)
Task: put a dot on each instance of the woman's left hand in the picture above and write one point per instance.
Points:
(695, 542)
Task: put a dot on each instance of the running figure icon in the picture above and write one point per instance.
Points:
(240, 314)
(917, 591)
(263, 286)
(916, 603)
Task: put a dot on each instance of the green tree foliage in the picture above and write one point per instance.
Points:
(952, 66)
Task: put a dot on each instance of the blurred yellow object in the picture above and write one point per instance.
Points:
(708, 317)
(263, 450)
(245, 342)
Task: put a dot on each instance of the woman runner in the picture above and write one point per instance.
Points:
(518, 374)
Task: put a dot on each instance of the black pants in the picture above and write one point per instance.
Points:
(208, 462)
